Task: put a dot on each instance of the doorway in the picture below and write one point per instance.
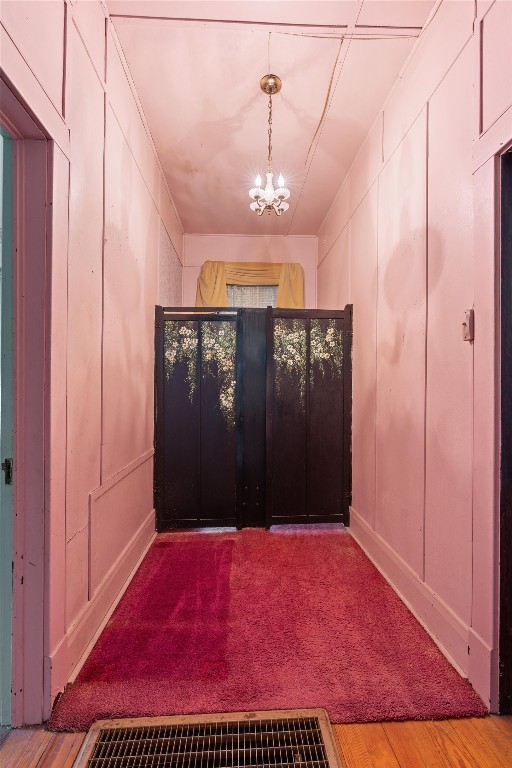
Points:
(26, 287)
(505, 645)
(253, 417)
(6, 434)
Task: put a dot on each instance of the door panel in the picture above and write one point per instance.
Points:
(195, 467)
(325, 418)
(217, 434)
(309, 404)
(289, 436)
(252, 374)
(181, 422)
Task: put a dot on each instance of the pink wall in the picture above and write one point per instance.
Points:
(117, 247)
(271, 248)
(410, 241)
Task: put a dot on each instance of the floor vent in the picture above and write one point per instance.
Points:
(300, 738)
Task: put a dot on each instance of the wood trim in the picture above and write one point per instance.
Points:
(28, 91)
(448, 630)
(159, 419)
(74, 647)
(239, 450)
(269, 416)
(31, 296)
(6, 441)
(113, 480)
(14, 118)
(347, 413)
(505, 642)
(496, 138)
(483, 660)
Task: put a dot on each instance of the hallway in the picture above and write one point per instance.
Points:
(137, 131)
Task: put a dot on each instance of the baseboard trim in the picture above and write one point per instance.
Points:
(64, 663)
(446, 629)
(483, 670)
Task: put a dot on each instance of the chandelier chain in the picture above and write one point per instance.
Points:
(265, 198)
(270, 131)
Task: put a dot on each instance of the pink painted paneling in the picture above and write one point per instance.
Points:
(334, 274)
(85, 306)
(352, 113)
(170, 219)
(449, 428)
(199, 248)
(25, 82)
(58, 415)
(85, 310)
(401, 317)
(363, 296)
(362, 175)
(457, 598)
(334, 222)
(131, 291)
(445, 37)
(117, 513)
(124, 106)
(77, 575)
(497, 62)
(367, 164)
(38, 31)
(170, 272)
(485, 429)
(89, 17)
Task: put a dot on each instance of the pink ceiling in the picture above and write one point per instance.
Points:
(197, 67)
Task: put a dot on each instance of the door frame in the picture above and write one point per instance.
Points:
(6, 402)
(32, 211)
(505, 388)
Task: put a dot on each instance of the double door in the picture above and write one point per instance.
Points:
(253, 417)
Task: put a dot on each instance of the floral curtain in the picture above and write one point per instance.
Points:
(215, 275)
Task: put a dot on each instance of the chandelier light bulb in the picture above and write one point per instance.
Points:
(269, 199)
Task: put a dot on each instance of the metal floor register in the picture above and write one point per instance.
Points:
(281, 739)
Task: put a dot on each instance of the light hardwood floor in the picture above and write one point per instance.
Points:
(466, 743)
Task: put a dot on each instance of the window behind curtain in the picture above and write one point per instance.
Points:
(254, 296)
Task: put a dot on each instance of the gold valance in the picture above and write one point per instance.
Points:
(215, 275)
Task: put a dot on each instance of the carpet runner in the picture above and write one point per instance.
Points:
(290, 618)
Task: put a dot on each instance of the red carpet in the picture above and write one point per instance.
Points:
(283, 619)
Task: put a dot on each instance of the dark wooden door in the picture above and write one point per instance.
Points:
(195, 445)
(309, 396)
(252, 417)
(252, 382)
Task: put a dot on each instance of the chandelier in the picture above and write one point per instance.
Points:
(268, 198)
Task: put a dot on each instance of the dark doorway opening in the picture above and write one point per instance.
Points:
(252, 417)
(505, 645)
